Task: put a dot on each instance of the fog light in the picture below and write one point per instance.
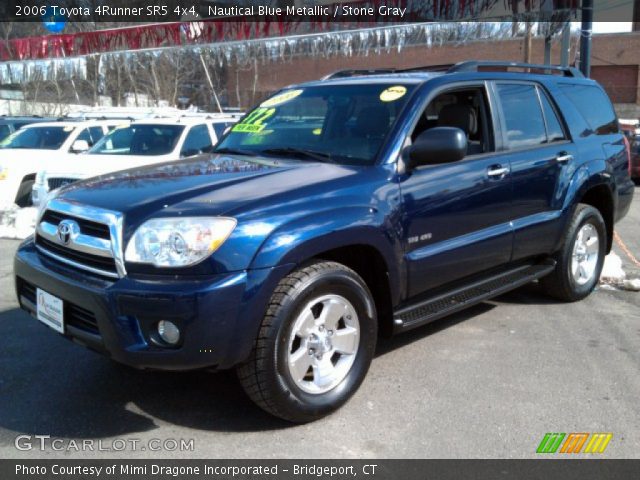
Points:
(168, 332)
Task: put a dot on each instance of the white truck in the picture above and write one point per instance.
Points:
(141, 142)
(35, 147)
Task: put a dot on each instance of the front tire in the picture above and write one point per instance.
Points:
(580, 260)
(315, 344)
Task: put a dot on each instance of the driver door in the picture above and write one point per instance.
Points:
(456, 216)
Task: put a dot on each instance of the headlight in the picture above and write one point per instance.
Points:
(178, 242)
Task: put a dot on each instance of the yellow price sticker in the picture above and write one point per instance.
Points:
(393, 93)
(281, 98)
(253, 123)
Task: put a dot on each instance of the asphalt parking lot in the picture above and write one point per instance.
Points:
(489, 382)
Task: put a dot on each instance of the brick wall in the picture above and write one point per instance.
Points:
(615, 63)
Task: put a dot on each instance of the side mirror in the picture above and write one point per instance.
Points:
(80, 146)
(438, 145)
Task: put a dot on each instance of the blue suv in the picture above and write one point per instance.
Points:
(366, 203)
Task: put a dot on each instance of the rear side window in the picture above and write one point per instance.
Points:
(198, 140)
(96, 134)
(219, 128)
(522, 115)
(594, 105)
(554, 129)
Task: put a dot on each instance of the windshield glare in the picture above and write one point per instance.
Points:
(41, 138)
(348, 123)
(139, 140)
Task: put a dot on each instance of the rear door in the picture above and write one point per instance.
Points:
(457, 215)
(542, 157)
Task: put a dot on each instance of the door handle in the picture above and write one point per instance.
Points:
(498, 171)
(564, 157)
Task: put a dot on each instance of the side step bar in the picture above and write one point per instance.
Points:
(439, 306)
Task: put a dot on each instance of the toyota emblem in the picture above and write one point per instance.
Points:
(67, 230)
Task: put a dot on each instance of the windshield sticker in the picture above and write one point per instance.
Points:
(253, 122)
(281, 98)
(317, 131)
(393, 93)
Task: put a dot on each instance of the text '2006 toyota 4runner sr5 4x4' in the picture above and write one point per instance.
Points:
(336, 210)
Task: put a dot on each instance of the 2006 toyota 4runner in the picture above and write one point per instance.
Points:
(336, 210)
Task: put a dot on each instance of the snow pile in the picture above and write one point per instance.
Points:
(614, 277)
(612, 271)
(17, 222)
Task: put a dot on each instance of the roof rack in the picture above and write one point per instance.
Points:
(357, 73)
(474, 66)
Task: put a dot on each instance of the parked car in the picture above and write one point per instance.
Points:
(9, 124)
(33, 147)
(631, 130)
(335, 210)
(140, 143)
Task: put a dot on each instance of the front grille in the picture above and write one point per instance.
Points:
(94, 261)
(54, 183)
(87, 227)
(74, 315)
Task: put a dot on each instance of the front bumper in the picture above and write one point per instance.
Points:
(218, 316)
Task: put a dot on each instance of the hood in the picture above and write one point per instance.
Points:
(206, 185)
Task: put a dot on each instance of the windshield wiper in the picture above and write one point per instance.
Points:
(234, 151)
(300, 152)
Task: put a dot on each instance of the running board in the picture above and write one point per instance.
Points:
(439, 306)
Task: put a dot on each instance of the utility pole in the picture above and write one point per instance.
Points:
(585, 37)
(565, 48)
(527, 42)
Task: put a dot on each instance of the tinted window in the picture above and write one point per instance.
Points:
(522, 115)
(344, 123)
(96, 134)
(554, 129)
(4, 131)
(47, 138)
(140, 139)
(198, 140)
(594, 105)
(219, 128)
(118, 141)
(86, 136)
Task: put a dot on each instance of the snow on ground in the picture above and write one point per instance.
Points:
(17, 222)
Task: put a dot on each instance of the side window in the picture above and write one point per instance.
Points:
(85, 135)
(198, 140)
(554, 129)
(522, 115)
(594, 105)
(465, 109)
(96, 134)
(219, 128)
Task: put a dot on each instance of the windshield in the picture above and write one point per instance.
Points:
(139, 140)
(343, 124)
(43, 138)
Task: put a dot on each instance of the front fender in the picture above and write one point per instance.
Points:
(307, 237)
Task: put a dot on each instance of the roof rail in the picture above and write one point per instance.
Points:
(357, 73)
(474, 66)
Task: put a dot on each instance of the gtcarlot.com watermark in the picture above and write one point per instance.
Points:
(44, 443)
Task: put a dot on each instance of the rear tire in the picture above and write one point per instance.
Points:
(315, 344)
(580, 260)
